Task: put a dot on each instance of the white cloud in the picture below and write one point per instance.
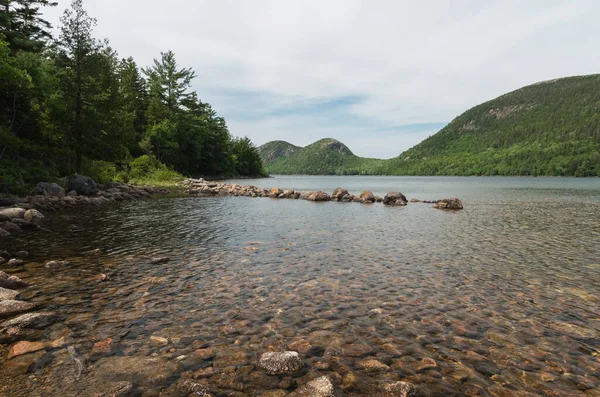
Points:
(410, 62)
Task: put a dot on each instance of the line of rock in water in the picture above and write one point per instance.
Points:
(201, 187)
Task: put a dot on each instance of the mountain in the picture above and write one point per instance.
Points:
(325, 157)
(551, 128)
(548, 128)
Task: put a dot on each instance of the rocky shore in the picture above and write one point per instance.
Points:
(26, 213)
(201, 187)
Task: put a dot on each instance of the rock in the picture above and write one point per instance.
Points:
(10, 227)
(31, 320)
(194, 388)
(102, 347)
(426, 363)
(13, 212)
(113, 185)
(275, 192)
(399, 389)
(415, 200)
(8, 294)
(11, 282)
(278, 363)
(319, 196)
(320, 387)
(449, 204)
(56, 264)
(83, 185)
(24, 347)
(395, 198)
(33, 216)
(101, 277)
(137, 369)
(49, 189)
(11, 307)
(4, 233)
(367, 197)
(5, 255)
(159, 260)
(339, 193)
(22, 254)
(72, 193)
(115, 389)
(16, 262)
(372, 365)
(160, 341)
(24, 225)
(4, 218)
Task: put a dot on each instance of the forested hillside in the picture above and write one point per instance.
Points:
(548, 128)
(70, 104)
(325, 157)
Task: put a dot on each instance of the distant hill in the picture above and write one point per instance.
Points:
(325, 157)
(551, 128)
(548, 128)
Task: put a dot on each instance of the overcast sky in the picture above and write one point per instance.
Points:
(379, 75)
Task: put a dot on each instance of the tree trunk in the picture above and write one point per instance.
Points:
(78, 158)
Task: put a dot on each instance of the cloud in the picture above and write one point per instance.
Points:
(358, 71)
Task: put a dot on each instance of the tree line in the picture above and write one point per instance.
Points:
(69, 104)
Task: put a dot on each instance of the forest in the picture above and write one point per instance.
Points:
(70, 104)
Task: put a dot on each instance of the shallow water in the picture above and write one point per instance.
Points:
(503, 296)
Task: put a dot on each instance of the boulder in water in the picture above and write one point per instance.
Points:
(278, 363)
(31, 320)
(339, 193)
(11, 307)
(319, 196)
(8, 294)
(13, 212)
(395, 198)
(83, 185)
(33, 216)
(11, 282)
(449, 204)
(4, 233)
(367, 197)
(275, 192)
(320, 387)
(399, 389)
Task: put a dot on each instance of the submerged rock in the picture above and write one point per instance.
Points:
(56, 264)
(11, 282)
(320, 387)
(24, 347)
(395, 198)
(8, 294)
(10, 227)
(16, 262)
(139, 369)
(278, 363)
(31, 320)
(4, 233)
(449, 204)
(159, 260)
(11, 307)
(399, 389)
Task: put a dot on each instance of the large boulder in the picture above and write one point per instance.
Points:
(83, 185)
(49, 189)
(449, 204)
(11, 307)
(367, 197)
(319, 196)
(338, 193)
(395, 198)
(33, 216)
(13, 212)
(278, 363)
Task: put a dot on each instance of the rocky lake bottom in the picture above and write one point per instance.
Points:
(499, 299)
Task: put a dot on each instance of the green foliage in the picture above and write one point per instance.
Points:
(545, 129)
(246, 158)
(69, 104)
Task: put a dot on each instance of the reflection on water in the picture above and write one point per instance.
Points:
(498, 298)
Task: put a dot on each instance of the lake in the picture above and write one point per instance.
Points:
(501, 298)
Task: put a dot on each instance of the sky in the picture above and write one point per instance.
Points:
(378, 75)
